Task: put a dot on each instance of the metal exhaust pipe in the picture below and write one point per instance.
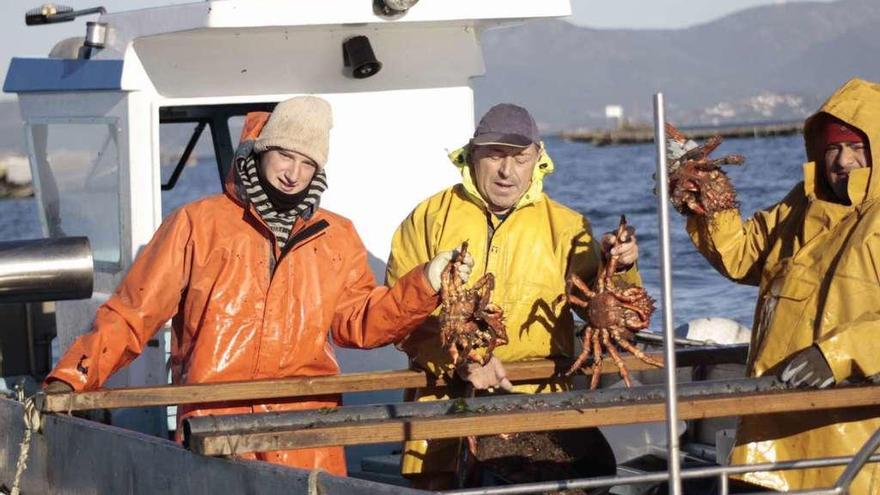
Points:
(46, 270)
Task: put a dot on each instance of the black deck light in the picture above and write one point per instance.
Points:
(357, 53)
(50, 13)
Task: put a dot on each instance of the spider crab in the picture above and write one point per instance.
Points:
(468, 321)
(615, 310)
(696, 183)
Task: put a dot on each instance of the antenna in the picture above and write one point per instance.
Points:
(50, 14)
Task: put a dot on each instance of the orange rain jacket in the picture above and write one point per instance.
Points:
(242, 311)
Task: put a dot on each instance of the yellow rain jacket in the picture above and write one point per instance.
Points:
(817, 264)
(530, 253)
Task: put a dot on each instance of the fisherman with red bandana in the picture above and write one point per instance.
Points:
(815, 256)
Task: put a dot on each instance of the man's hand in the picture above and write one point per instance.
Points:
(58, 387)
(807, 368)
(627, 250)
(435, 267)
(485, 377)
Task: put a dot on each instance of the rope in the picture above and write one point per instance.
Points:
(32, 423)
(314, 487)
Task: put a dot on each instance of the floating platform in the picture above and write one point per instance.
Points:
(639, 135)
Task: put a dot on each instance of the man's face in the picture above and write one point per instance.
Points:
(503, 173)
(841, 159)
(288, 171)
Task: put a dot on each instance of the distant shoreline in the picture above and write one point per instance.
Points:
(645, 134)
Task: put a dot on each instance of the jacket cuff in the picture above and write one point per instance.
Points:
(838, 359)
(73, 378)
(421, 296)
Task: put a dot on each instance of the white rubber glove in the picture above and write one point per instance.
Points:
(434, 269)
(487, 376)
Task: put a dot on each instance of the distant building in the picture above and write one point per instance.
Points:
(614, 113)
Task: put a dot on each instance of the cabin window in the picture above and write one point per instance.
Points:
(193, 140)
(77, 181)
(187, 166)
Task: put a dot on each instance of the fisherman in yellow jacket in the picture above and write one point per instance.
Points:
(528, 241)
(816, 258)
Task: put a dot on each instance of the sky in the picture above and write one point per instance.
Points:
(16, 39)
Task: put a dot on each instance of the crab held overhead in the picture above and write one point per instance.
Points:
(615, 310)
(468, 321)
(697, 185)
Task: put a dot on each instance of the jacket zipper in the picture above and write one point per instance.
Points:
(301, 237)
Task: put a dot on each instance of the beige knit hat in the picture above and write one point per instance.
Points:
(300, 124)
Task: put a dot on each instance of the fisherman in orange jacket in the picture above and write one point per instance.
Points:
(253, 279)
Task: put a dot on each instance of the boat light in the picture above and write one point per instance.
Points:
(357, 53)
(393, 7)
(96, 34)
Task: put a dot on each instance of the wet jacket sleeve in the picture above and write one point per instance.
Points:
(736, 248)
(147, 298)
(367, 316)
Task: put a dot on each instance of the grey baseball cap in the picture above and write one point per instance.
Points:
(508, 125)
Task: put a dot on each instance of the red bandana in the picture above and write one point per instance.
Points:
(835, 131)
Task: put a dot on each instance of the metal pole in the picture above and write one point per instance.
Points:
(859, 460)
(723, 485)
(673, 460)
(694, 473)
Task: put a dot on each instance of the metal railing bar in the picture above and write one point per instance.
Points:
(861, 457)
(723, 484)
(695, 473)
(674, 465)
(821, 491)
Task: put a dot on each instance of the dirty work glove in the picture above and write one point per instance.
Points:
(807, 368)
(58, 387)
(486, 376)
(435, 267)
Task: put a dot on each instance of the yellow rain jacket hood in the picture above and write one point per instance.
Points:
(529, 253)
(817, 263)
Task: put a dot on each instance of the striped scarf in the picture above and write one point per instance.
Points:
(280, 223)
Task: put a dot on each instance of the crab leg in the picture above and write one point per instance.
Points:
(447, 283)
(597, 360)
(578, 301)
(637, 352)
(585, 354)
(581, 285)
(636, 324)
(625, 303)
(453, 352)
(727, 160)
(612, 349)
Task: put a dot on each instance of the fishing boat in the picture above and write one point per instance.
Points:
(100, 115)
